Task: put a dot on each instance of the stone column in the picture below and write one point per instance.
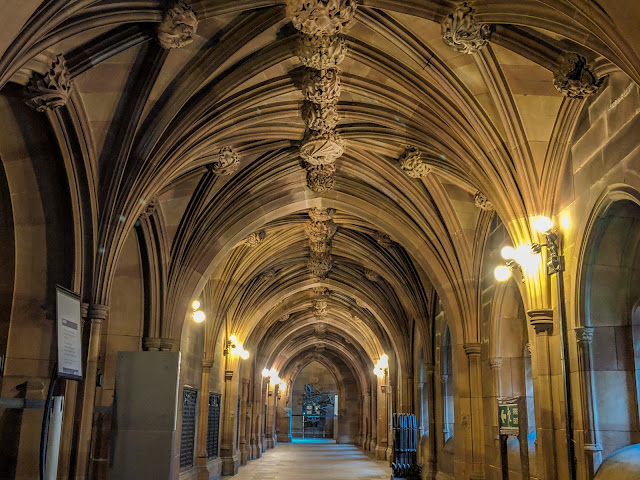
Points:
(430, 468)
(203, 421)
(96, 315)
(228, 456)
(542, 322)
(271, 399)
(244, 422)
(445, 408)
(381, 447)
(592, 447)
(255, 441)
(495, 363)
(477, 428)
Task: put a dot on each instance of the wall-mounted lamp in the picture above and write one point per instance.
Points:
(555, 263)
(198, 315)
(382, 365)
(274, 379)
(234, 347)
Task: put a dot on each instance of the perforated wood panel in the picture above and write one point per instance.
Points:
(187, 439)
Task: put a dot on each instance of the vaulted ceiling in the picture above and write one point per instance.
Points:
(430, 141)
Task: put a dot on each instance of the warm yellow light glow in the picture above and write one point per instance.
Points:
(195, 304)
(378, 371)
(198, 316)
(274, 380)
(283, 386)
(564, 221)
(384, 361)
(273, 372)
(244, 354)
(527, 260)
(508, 252)
(233, 339)
(265, 372)
(543, 224)
(502, 273)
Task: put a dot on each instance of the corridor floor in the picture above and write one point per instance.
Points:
(314, 461)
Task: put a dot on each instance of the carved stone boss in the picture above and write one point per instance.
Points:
(320, 47)
(320, 230)
(178, 26)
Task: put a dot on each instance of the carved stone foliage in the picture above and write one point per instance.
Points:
(321, 86)
(150, 209)
(320, 178)
(461, 32)
(371, 275)
(51, 90)
(320, 148)
(320, 265)
(319, 292)
(320, 229)
(254, 239)
(267, 275)
(227, 162)
(412, 164)
(284, 317)
(383, 240)
(482, 202)
(320, 53)
(320, 17)
(178, 26)
(574, 79)
(320, 117)
(320, 307)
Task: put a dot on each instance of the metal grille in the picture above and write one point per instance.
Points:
(213, 425)
(187, 439)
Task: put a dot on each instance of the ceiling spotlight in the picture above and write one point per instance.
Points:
(543, 224)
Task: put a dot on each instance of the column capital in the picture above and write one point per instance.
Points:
(207, 364)
(245, 381)
(472, 349)
(495, 362)
(97, 312)
(228, 374)
(584, 335)
(541, 319)
(84, 310)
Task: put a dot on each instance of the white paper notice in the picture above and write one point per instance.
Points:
(69, 335)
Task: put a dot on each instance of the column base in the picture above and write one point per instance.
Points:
(284, 438)
(381, 452)
(230, 465)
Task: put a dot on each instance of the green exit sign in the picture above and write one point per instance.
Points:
(508, 418)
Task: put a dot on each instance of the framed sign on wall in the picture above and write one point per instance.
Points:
(69, 334)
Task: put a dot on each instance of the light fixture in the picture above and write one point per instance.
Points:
(508, 253)
(265, 372)
(283, 385)
(235, 348)
(543, 224)
(198, 315)
(502, 273)
(272, 373)
(382, 365)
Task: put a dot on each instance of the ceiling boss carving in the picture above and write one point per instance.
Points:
(254, 239)
(482, 202)
(178, 26)
(320, 47)
(320, 229)
(574, 79)
(51, 90)
(461, 32)
(412, 164)
(320, 17)
(227, 162)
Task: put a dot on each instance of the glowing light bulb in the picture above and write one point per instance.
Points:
(384, 361)
(283, 385)
(273, 372)
(508, 252)
(565, 222)
(198, 316)
(195, 304)
(543, 224)
(233, 339)
(502, 273)
(244, 354)
(265, 372)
